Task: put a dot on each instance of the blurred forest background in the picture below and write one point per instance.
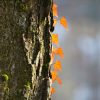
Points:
(81, 44)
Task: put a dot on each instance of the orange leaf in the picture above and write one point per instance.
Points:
(59, 80)
(55, 22)
(59, 52)
(52, 90)
(55, 11)
(64, 22)
(55, 38)
(57, 65)
(54, 75)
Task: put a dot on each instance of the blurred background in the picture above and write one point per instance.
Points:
(81, 45)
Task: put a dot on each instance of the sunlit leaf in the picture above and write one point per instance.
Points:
(59, 80)
(54, 75)
(57, 66)
(55, 38)
(58, 51)
(52, 90)
(55, 10)
(64, 23)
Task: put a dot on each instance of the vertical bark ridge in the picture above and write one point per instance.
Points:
(25, 46)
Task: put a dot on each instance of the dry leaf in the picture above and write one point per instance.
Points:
(57, 66)
(55, 38)
(55, 10)
(63, 21)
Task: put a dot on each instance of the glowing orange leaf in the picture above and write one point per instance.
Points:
(59, 80)
(54, 75)
(55, 38)
(55, 11)
(59, 52)
(55, 22)
(57, 66)
(52, 90)
(64, 22)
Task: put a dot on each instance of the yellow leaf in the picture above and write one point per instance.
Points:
(52, 90)
(55, 11)
(57, 66)
(55, 38)
(64, 23)
(54, 75)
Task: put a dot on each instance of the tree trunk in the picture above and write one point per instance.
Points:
(25, 47)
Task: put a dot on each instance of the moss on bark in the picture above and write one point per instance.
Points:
(25, 46)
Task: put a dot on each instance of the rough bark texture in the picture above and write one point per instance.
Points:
(25, 46)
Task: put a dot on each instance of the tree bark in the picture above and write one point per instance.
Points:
(25, 47)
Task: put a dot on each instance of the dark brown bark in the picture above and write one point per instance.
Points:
(25, 47)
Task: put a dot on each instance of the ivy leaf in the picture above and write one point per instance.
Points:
(64, 23)
(52, 90)
(55, 10)
(55, 38)
(57, 66)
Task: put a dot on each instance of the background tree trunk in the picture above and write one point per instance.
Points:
(25, 47)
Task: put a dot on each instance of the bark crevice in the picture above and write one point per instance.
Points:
(25, 47)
